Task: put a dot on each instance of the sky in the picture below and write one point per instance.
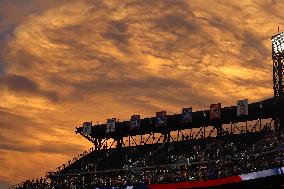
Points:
(63, 62)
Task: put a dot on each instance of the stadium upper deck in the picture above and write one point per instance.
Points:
(269, 108)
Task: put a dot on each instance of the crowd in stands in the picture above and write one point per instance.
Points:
(189, 160)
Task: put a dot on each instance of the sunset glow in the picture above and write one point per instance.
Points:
(65, 62)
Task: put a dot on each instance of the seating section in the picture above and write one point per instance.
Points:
(183, 161)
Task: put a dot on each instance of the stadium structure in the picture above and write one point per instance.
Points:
(229, 147)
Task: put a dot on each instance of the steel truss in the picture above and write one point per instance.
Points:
(186, 135)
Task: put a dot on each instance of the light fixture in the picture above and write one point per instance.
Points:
(278, 43)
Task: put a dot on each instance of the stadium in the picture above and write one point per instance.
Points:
(241, 146)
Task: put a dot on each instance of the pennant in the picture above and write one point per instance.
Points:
(110, 125)
(87, 128)
(215, 111)
(161, 118)
(242, 107)
(135, 122)
(186, 115)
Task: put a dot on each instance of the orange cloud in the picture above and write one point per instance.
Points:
(64, 63)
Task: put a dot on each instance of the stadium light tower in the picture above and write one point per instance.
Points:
(278, 63)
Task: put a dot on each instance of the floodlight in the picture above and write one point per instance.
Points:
(278, 43)
(278, 63)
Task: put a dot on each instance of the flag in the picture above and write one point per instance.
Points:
(161, 118)
(110, 125)
(135, 122)
(186, 115)
(215, 111)
(87, 128)
(242, 107)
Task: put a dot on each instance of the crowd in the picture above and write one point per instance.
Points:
(188, 160)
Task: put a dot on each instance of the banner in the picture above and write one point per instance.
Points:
(135, 122)
(242, 107)
(215, 111)
(206, 183)
(263, 173)
(186, 115)
(161, 118)
(110, 125)
(87, 128)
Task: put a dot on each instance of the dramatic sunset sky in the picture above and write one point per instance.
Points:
(63, 62)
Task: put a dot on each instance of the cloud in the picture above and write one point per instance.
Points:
(21, 84)
(62, 63)
(4, 185)
(29, 138)
(117, 32)
(2, 69)
(49, 147)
